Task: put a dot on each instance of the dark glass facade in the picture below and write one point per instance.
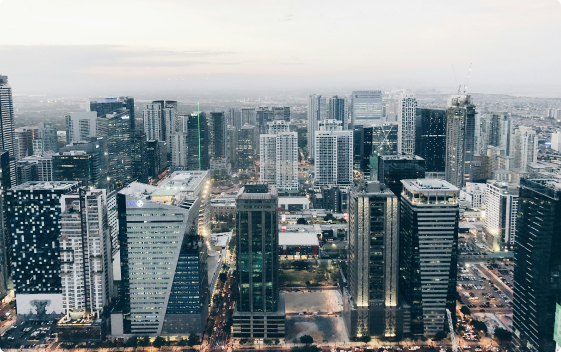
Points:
(246, 147)
(537, 264)
(218, 123)
(257, 245)
(393, 169)
(370, 143)
(430, 138)
(198, 142)
(109, 105)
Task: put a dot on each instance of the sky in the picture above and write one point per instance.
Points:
(121, 47)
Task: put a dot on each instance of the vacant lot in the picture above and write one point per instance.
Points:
(301, 278)
(324, 301)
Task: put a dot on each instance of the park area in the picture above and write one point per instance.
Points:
(300, 274)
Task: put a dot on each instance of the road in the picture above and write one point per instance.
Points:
(219, 337)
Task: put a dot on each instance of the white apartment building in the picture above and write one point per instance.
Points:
(406, 113)
(85, 251)
(80, 126)
(524, 147)
(153, 122)
(317, 111)
(279, 156)
(334, 155)
(501, 211)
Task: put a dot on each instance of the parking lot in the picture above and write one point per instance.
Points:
(30, 334)
(480, 294)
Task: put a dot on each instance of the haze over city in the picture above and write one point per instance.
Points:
(65, 47)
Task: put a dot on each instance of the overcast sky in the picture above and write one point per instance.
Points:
(121, 46)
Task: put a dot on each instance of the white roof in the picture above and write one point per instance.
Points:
(298, 239)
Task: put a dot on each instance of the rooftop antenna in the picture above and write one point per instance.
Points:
(467, 79)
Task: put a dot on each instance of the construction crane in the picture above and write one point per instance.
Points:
(452, 334)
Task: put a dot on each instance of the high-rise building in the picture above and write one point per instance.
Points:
(106, 106)
(217, 124)
(406, 114)
(5, 238)
(35, 168)
(279, 156)
(373, 265)
(333, 156)
(317, 111)
(156, 158)
(247, 148)
(170, 121)
(264, 116)
(496, 131)
(260, 310)
(116, 129)
(33, 212)
(537, 258)
(394, 168)
(248, 116)
(81, 126)
(338, 110)
(366, 108)
(428, 252)
(164, 278)
(460, 139)
(85, 162)
(430, 138)
(369, 144)
(232, 145)
(556, 141)
(7, 142)
(23, 142)
(153, 128)
(85, 251)
(198, 142)
(500, 213)
(524, 148)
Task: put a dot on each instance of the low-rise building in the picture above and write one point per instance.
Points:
(298, 245)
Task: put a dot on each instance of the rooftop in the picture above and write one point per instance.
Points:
(42, 186)
(401, 157)
(298, 239)
(428, 184)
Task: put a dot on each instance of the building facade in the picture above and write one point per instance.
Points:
(334, 155)
(501, 211)
(317, 111)
(260, 311)
(536, 261)
(406, 114)
(430, 138)
(428, 252)
(394, 168)
(460, 139)
(524, 147)
(7, 124)
(33, 213)
(366, 108)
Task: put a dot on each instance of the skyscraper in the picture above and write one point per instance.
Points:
(501, 209)
(260, 311)
(537, 258)
(496, 131)
(430, 138)
(153, 128)
(317, 111)
(198, 142)
(248, 116)
(247, 147)
(5, 238)
(406, 113)
(7, 142)
(428, 252)
(217, 123)
(333, 156)
(369, 144)
(81, 126)
(394, 168)
(366, 108)
(460, 139)
(106, 106)
(279, 156)
(33, 213)
(164, 278)
(338, 110)
(116, 129)
(170, 121)
(373, 264)
(524, 148)
(85, 251)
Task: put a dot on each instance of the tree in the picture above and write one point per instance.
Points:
(365, 336)
(223, 277)
(144, 341)
(300, 264)
(132, 342)
(193, 340)
(479, 326)
(328, 217)
(159, 342)
(268, 342)
(307, 339)
(465, 310)
(301, 221)
(502, 334)
(440, 335)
